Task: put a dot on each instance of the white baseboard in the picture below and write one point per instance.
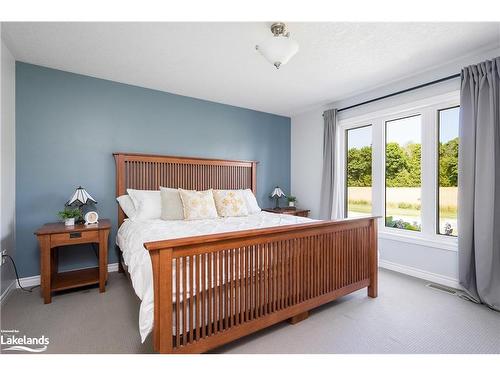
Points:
(421, 274)
(28, 282)
(113, 267)
(6, 293)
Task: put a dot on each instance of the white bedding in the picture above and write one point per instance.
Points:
(134, 233)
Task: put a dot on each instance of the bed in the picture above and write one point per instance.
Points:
(208, 283)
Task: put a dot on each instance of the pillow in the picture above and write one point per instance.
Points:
(127, 205)
(147, 203)
(230, 203)
(198, 204)
(171, 204)
(251, 201)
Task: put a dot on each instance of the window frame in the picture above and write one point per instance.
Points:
(385, 177)
(427, 108)
(438, 130)
(346, 153)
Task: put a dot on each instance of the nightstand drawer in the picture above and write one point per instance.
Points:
(76, 237)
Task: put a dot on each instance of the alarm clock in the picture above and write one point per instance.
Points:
(91, 217)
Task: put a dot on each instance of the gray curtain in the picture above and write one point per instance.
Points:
(479, 183)
(328, 177)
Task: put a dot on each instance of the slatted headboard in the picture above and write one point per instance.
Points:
(149, 172)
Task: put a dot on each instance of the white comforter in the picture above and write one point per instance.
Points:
(134, 233)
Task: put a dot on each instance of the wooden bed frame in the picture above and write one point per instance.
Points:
(213, 289)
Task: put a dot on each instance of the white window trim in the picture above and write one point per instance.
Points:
(428, 109)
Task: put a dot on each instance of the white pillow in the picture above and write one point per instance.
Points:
(198, 204)
(252, 205)
(171, 204)
(230, 203)
(147, 203)
(127, 205)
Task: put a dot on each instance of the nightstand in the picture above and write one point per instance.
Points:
(288, 211)
(54, 235)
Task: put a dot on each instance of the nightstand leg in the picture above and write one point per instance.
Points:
(103, 260)
(45, 267)
(55, 260)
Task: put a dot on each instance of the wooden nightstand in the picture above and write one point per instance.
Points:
(53, 235)
(288, 211)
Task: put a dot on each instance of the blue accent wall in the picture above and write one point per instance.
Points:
(68, 126)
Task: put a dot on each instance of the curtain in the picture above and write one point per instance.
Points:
(331, 206)
(479, 183)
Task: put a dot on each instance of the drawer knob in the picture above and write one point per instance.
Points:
(75, 235)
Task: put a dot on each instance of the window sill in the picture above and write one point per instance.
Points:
(446, 243)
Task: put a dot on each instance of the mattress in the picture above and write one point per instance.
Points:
(132, 235)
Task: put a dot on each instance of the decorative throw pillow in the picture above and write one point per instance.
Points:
(147, 203)
(171, 204)
(230, 203)
(127, 205)
(198, 204)
(251, 201)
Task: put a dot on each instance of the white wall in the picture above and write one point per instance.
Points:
(430, 262)
(307, 159)
(7, 163)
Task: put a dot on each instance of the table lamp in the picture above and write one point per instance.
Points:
(80, 198)
(277, 194)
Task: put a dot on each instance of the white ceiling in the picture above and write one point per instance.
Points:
(218, 61)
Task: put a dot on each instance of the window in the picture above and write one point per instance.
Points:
(359, 171)
(402, 173)
(447, 171)
(401, 164)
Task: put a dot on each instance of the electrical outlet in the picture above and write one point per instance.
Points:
(4, 259)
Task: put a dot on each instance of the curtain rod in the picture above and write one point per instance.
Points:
(401, 92)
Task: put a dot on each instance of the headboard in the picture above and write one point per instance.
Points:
(149, 172)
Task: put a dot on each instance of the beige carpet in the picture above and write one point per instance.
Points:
(407, 317)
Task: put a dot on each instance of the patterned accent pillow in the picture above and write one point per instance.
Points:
(198, 204)
(230, 203)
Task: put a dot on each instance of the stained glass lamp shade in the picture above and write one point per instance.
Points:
(80, 198)
(277, 194)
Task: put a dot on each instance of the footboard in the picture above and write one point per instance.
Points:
(210, 290)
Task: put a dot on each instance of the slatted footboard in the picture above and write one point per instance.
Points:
(210, 290)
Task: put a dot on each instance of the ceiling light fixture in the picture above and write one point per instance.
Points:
(279, 48)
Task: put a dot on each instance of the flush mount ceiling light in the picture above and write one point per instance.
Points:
(279, 48)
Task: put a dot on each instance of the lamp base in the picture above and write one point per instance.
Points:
(277, 205)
